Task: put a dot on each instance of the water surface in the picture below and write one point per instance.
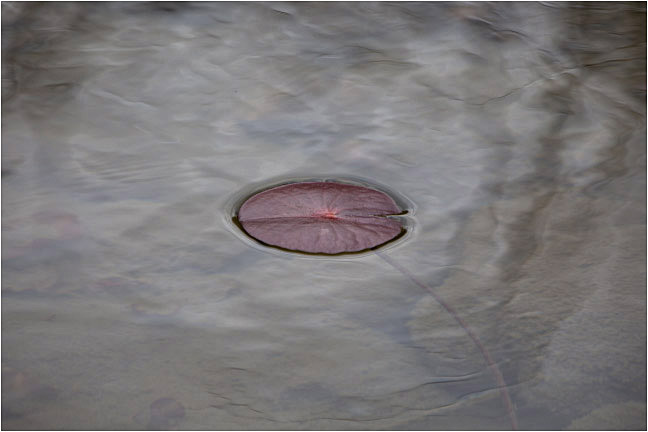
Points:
(518, 132)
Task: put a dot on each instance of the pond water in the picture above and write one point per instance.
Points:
(517, 131)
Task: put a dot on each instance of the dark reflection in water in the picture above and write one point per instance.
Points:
(516, 129)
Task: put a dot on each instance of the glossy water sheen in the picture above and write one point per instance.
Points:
(517, 130)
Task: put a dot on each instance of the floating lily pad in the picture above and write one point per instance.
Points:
(321, 217)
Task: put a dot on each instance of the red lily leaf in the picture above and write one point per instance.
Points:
(321, 217)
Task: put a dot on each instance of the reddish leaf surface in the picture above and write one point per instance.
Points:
(321, 217)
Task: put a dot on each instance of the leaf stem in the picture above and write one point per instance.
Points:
(499, 378)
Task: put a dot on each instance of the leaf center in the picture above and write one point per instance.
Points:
(326, 214)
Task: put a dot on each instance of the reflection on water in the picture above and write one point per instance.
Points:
(517, 130)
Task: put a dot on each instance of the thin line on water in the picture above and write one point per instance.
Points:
(501, 384)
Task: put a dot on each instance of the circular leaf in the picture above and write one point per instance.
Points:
(321, 217)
